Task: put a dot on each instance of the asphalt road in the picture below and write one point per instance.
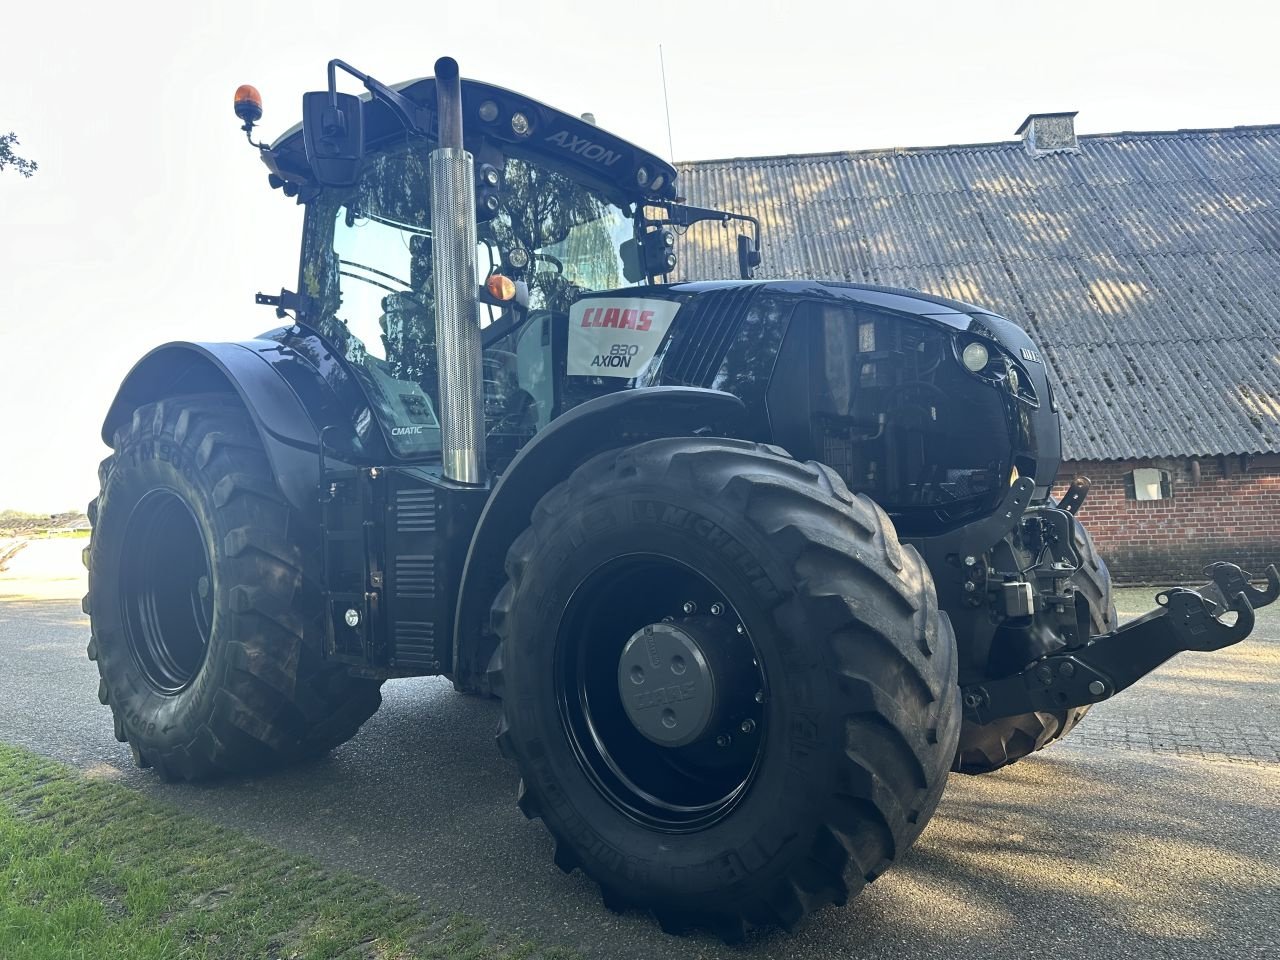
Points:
(1152, 832)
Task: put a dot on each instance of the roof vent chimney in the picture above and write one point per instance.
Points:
(1044, 133)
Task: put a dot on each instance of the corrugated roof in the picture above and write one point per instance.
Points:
(1147, 265)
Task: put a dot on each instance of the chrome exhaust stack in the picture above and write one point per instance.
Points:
(453, 231)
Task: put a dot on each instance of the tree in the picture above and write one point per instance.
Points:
(10, 159)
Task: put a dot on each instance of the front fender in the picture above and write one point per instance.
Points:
(252, 370)
(614, 420)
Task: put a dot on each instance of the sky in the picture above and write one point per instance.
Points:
(150, 219)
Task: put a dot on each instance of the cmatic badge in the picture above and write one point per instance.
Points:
(616, 336)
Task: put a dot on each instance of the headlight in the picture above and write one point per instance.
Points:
(974, 357)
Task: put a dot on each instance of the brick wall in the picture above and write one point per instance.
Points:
(1231, 511)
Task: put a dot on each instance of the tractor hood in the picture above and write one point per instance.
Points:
(732, 335)
(955, 314)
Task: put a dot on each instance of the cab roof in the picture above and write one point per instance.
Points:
(564, 142)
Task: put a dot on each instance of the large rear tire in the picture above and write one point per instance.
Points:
(206, 618)
(990, 746)
(835, 710)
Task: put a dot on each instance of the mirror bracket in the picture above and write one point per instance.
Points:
(684, 215)
(415, 118)
(333, 125)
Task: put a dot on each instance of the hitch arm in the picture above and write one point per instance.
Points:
(1107, 664)
(1228, 580)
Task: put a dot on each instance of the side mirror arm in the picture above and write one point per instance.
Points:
(683, 215)
(417, 119)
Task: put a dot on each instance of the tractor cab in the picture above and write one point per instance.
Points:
(562, 209)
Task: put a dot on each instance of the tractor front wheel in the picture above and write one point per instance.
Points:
(728, 688)
(205, 612)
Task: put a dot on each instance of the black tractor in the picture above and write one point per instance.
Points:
(752, 565)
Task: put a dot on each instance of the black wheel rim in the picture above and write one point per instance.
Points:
(673, 789)
(166, 592)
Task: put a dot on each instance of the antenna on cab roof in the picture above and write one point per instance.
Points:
(671, 151)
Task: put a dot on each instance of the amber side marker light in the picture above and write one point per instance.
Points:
(500, 287)
(248, 104)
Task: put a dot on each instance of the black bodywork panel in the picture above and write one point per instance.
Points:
(397, 576)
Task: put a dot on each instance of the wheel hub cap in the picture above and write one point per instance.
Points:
(667, 686)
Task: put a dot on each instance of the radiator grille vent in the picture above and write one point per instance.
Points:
(704, 331)
(416, 511)
(415, 576)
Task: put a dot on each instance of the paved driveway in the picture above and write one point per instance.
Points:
(1150, 833)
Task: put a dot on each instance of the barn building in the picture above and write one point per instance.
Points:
(1145, 265)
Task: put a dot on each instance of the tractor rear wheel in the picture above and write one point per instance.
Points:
(990, 746)
(206, 619)
(728, 688)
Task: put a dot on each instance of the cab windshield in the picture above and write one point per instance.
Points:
(368, 266)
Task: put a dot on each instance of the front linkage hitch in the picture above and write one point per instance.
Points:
(1094, 671)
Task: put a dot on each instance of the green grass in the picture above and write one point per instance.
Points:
(91, 869)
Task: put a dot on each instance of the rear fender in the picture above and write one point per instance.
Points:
(252, 370)
(612, 421)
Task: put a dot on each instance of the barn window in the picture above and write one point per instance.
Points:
(1149, 483)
